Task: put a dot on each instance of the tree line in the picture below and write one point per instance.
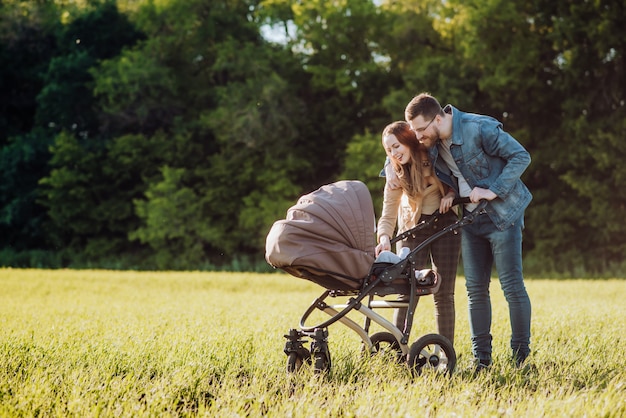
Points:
(171, 134)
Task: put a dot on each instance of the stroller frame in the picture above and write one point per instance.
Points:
(431, 351)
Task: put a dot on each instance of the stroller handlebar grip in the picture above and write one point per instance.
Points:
(481, 204)
(461, 200)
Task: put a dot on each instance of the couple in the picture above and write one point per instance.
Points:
(440, 153)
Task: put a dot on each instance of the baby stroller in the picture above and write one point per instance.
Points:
(328, 238)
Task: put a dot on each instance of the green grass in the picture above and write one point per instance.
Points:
(108, 343)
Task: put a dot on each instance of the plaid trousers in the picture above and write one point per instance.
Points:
(441, 255)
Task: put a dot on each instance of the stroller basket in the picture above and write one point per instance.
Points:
(428, 281)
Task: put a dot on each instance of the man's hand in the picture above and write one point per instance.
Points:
(478, 194)
(392, 179)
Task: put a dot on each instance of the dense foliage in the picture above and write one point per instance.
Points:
(171, 134)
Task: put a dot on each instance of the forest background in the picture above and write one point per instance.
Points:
(171, 134)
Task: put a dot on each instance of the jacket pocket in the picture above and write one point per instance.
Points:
(478, 164)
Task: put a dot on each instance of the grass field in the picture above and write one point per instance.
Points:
(108, 343)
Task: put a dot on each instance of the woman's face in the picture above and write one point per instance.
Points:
(395, 150)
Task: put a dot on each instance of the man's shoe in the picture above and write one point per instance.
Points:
(480, 365)
(519, 357)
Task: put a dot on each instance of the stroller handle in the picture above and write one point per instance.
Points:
(461, 200)
(424, 224)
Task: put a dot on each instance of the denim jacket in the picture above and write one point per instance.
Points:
(490, 158)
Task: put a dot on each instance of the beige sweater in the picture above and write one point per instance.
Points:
(410, 210)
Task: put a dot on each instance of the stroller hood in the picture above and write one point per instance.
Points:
(330, 230)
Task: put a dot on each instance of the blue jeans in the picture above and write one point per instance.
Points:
(483, 245)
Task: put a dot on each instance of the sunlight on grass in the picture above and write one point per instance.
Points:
(109, 343)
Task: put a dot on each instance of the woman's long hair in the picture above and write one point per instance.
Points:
(410, 174)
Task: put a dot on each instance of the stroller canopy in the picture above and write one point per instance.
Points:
(331, 230)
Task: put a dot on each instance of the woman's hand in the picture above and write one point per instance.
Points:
(384, 244)
(446, 203)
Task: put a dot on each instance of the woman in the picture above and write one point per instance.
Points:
(423, 194)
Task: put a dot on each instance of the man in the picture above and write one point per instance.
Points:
(473, 154)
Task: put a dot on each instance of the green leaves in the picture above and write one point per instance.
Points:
(170, 214)
(178, 134)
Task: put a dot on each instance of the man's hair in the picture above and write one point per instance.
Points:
(423, 104)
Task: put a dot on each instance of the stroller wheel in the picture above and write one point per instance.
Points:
(322, 362)
(385, 344)
(320, 351)
(295, 360)
(432, 352)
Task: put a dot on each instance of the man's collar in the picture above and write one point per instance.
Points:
(448, 110)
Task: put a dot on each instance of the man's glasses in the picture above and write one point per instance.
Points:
(420, 130)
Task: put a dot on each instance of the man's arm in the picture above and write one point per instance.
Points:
(498, 143)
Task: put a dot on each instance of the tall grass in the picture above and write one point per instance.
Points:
(110, 343)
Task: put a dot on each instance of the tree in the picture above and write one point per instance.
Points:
(22, 163)
(232, 154)
(364, 161)
(27, 43)
(175, 134)
(590, 37)
(337, 44)
(66, 100)
(553, 73)
(86, 209)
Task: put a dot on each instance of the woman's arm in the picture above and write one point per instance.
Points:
(388, 217)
